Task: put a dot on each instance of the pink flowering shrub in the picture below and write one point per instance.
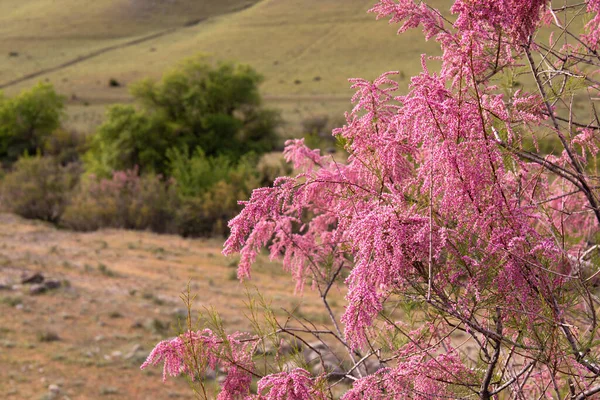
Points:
(297, 384)
(193, 353)
(128, 200)
(446, 209)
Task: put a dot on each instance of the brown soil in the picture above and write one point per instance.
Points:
(120, 292)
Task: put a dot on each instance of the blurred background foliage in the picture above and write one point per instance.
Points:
(176, 161)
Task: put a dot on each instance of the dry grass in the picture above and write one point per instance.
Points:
(120, 289)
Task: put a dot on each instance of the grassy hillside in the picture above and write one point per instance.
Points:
(307, 49)
(105, 19)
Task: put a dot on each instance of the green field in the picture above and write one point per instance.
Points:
(306, 49)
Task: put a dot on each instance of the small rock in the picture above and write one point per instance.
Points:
(137, 325)
(266, 349)
(32, 278)
(210, 374)
(20, 306)
(371, 366)
(116, 354)
(66, 315)
(322, 360)
(52, 284)
(37, 288)
(54, 389)
(288, 348)
(99, 338)
(133, 351)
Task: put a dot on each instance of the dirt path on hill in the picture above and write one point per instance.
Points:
(86, 57)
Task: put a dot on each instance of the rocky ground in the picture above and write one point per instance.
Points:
(79, 312)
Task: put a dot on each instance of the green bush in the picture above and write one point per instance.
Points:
(215, 108)
(128, 139)
(65, 146)
(197, 173)
(199, 200)
(39, 187)
(128, 201)
(208, 213)
(209, 188)
(27, 120)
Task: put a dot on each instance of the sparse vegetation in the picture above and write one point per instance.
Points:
(108, 390)
(209, 188)
(66, 146)
(317, 131)
(128, 201)
(85, 316)
(104, 270)
(112, 82)
(11, 301)
(47, 336)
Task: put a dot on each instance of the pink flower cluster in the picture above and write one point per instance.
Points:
(192, 353)
(440, 201)
(296, 384)
(418, 376)
(592, 36)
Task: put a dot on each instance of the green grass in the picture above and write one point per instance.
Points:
(306, 49)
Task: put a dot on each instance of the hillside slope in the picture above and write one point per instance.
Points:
(118, 297)
(307, 49)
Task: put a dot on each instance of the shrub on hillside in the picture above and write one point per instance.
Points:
(128, 201)
(209, 188)
(208, 213)
(197, 173)
(216, 108)
(38, 187)
(65, 146)
(469, 263)
(127, 139)
(27, 120)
